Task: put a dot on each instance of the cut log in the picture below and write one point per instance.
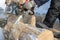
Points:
(46, 35)
(41, 34)
(19, 30)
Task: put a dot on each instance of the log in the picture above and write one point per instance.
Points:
(46, 35)
(19, 30)
(41, 34)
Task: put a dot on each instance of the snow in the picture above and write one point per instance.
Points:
(42, 9)
(2, 4)
(1, 34)
(2, 15)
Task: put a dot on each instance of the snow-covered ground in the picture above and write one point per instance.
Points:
(42, 9)
(2, 4)
(2, 8)
(2, 15)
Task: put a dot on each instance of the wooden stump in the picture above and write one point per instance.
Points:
(46, 35)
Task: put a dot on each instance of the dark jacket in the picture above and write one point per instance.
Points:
(40, 2)
(53, 13)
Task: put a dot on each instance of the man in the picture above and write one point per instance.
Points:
(53, 13)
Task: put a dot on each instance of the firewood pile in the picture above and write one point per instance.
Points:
(23, 27)
(22, 31)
